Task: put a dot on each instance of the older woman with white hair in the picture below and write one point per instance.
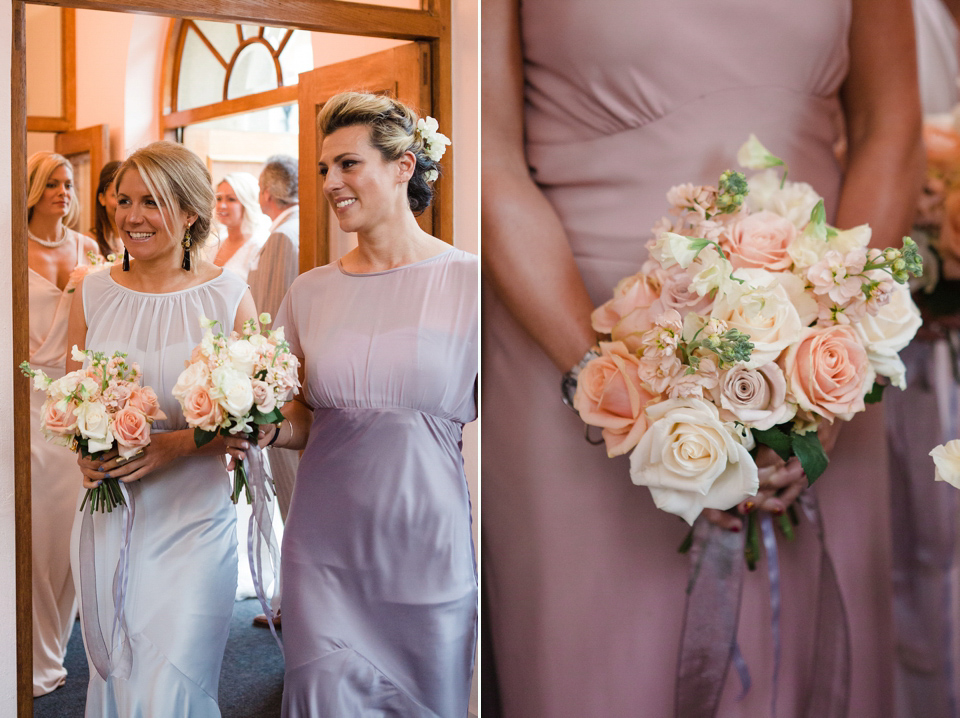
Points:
(238, 212)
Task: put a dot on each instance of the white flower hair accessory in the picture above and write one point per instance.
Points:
(434, 143)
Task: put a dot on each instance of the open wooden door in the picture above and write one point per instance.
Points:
(88, 150)
(402, 72)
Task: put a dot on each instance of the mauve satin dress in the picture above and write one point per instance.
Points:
(379, 581)
(183, 548)
(584, 582)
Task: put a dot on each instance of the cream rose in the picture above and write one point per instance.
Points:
(93, 423)
(946, 458)
(131, 430)
(196, 374)
(761, 308)
(243, 356)
(828, 372)
(610, 395)
(761, 240)
(754, 397)
(885, 334)
(691, 461)
(232, 390)
(200, 410)
(795, 201)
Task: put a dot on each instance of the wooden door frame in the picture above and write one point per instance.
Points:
(430, 24)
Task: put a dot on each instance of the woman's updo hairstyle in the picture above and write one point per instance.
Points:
(179, 181)
(393, 131)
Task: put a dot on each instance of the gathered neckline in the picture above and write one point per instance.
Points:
(115, 283)
(395, 269)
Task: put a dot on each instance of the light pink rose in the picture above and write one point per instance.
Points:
(200, 410)
(57, 417)
(634, 294)
(828, 371)
(144, 399)
(754, 397)
(131, 430)
(676, 293)
(610, 395)
(263, 396)
(760, 240)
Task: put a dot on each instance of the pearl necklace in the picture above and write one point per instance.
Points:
(52, 244)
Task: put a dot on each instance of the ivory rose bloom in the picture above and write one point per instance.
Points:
(691, 461)
(762, 309)
(760, 240)
(196, 374)
(93, 423)
(946, 458)
(610, 395)
(885, 334)
(131, 430)
(199, 409)
(754, 397)
(828, 372)
(795, 201)
(233, 390)
(243, 356)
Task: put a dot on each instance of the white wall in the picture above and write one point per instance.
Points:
(8, 639)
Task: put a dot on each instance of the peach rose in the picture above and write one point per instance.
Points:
(131, 430)
(196, 374)
(761, 240)
(610, 395)
(828, 371)
(144, 399)
(200, 410)
(57, 417)
(628, 313)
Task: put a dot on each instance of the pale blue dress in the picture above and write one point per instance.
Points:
(183, 546)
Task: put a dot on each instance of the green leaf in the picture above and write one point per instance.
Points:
(776, 439)
(201, 437)
(875, 394)
(809, 450)
(274, 417)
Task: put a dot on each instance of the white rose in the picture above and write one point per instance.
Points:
(233, 390)
(762, 309)
(65, 385)
(794, 202)
(93, 423)
(691, 461)
(196, 374)
(803, 300)
(946, 458)
(808, 248)
(243, 356)
(885, 334)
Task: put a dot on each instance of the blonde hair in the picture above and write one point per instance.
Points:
(39, 168)
(247, 190)
(393, 132)
(178, 181)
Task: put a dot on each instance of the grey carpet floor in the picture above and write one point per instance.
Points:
(251, 681)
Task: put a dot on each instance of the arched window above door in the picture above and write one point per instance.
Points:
(215, 62)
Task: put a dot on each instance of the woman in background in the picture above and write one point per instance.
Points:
(105, 226)
(53, 252)
(238, 211)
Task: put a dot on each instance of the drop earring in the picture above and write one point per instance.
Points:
(186, 249)
(126, 260)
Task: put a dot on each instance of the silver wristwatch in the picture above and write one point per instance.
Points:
(568, 384)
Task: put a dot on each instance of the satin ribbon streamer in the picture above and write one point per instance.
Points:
(708, 643)
(260, 536)
(117, 658)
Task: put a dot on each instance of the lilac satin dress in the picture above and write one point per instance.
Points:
(584, 585)
(379, 581)
(182, 568)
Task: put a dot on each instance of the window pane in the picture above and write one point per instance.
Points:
(201, 75)
(253, 72)
(221, 35)
(297, 56)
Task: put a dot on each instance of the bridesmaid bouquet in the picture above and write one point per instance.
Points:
(233, 384)
(752, 323)
(96, 263)
(95, 410)
(937, 222)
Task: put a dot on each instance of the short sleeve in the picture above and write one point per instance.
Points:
(286, 318)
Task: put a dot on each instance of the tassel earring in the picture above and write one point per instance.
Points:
(186, 249)
(126, 260)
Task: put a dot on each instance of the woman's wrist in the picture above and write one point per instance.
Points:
(568, 384)
(276, 434)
